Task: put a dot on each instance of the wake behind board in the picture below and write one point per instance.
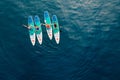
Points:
(48, 22)
(56, 30)
(38, 28)
(31, 30)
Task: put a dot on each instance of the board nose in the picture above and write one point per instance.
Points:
(54, 18)
(30, 19)
(46, 14)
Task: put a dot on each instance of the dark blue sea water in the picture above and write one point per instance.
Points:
(89, 48)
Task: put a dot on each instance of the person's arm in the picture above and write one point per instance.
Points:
(42, 24)
(51, 24)
(25, 26)
(60, 29)
(45, 24)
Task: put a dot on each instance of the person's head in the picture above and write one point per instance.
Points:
(48, 26)
(55, 25)
(37, 28)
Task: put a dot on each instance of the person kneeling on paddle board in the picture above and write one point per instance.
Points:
(37, 28)
(47, 25)
(55, 25)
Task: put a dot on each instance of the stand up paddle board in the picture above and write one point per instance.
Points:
(38, 29)
(56, 30)
(31, 30)
(48, 24)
